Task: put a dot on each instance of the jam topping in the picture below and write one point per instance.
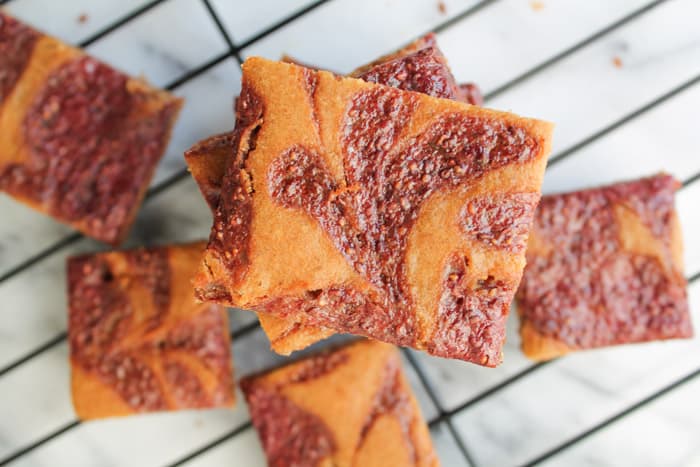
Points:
(588, 291)
(471, 318)
(290, 435)
(16, 45)
(470, 93)
(230, 235)
(185, 385)
(501, 221)
(318, 365)
(343, 307)
(133, 380)
(100, 312)
(370, 218)
(89, 159)
(204, 336)
(102, 316)
(652, 200)
(424, 71)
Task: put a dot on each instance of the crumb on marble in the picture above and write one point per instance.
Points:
(537, 5)
(83, 18)
(617, 62)
(442, 8)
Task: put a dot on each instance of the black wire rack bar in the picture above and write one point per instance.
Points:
(614, 419)
(574, 48)
(120, 22)
(218, 441)
(436, 402)
(624, 120)
(41, 441)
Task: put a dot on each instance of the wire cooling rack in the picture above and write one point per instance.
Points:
(458, 400)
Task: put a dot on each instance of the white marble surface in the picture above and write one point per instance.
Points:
(592, 102)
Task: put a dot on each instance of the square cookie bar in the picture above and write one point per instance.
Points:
(349, 406)
(139, 341)
(418, 67)
(375, 211)
(79, 140)
(604, 267)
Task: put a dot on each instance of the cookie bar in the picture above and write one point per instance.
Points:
(604, 267)
(139, 342)
(350, 406)
(418, 67)
(78, 140)
(375, 211)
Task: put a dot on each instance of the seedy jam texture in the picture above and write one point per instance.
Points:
(16, 45)
(500, 221)
(588, 291)
(470, 93)
(354, 311)
(113, 337)
(89, 157)
(230, 234)
(290, 436)
(205, 336)
(471, 317)
(387, 182)
(423, 71)
(187, 388)
(318, 365)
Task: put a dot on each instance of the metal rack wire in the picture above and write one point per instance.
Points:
(444, 416)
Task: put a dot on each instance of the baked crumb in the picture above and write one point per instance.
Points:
(617, 62)
(83, 18)
(536, 5)
(442, 8)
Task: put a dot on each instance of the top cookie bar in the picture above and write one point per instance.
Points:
(375, 211)
(78, 140)
(418, 67)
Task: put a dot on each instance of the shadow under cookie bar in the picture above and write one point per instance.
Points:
(139, 342)
(79, 140)
(375, 211)
(604, 267)
(418, 67)
(348, 406)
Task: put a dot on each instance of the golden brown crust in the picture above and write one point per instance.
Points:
(139, 342)
(350, 406)
(207, 162)
(619, 250)
(289, 335)
(310, 115)
(55, 172)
